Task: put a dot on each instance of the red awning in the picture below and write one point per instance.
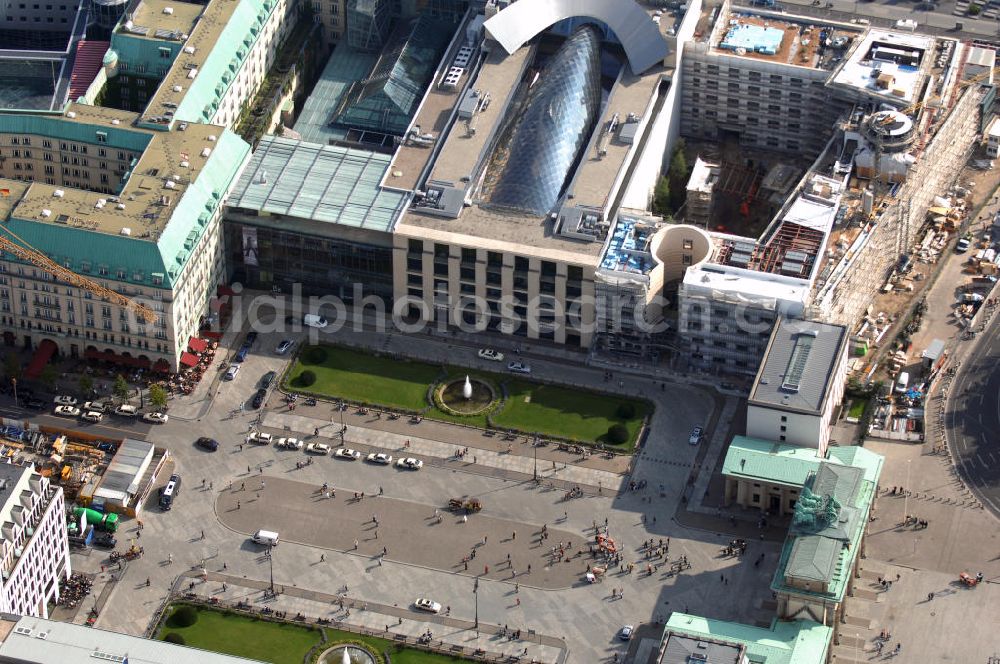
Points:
(210, 334)
(189, 359)
(162, 366)
(43, 354)
(197, 345)
(143, 362)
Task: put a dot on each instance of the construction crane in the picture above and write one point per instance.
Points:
(14, 244)
(978, 78)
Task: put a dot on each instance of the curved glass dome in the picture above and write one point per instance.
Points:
(554, 123)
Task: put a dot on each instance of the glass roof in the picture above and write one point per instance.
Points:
(553, 124)
(386, 99)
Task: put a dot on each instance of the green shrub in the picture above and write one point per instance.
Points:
(617, 434)
(306, 378)
(184, 616)
(174, 637)
(626, 410)
(314, 355)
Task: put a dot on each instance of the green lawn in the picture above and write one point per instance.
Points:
(857, 408)
(531, 407)
(281, 643)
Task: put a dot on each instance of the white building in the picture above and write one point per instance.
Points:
(799, 384)
(35, 547)
(28, 640)
(993, 139)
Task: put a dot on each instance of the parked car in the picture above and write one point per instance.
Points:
(283, 347)
(491, 354)
(380, 458)
(314, 321)
(409, 463)
(260, 437)
(64, 400)
(207, 443)
(290, 443)
(347, 453)
(241, 354)
(428, 605)
(963, 244)
(267, 379)
(695, 436)
(625, 633)
(126, 410)
(155, 418)
(231, 372)
(93, 416)
(519, 367)
(251, 338)
(67, 411)
(35, 404)
(258, 399)
(96, 406)
(317, 448)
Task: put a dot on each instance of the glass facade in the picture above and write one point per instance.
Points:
(552, 126)
(322, 266)
(386, 99)
(368, 24)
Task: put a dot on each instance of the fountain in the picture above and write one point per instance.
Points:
(465, 397)
(467, 388)
(346, 654)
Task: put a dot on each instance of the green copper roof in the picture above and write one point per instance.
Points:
(58, 127)
(219, 69)
(785, 642)
(783, 463)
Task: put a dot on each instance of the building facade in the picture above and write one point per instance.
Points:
(34, 554)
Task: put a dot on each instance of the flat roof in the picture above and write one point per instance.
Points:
(152, 18)
(780, 38)
(784, 642)
(328, 183)
(65, 642)
(730, 282)
(11, 192)
(900, 81)
(10, 475)
(595, 177)
(147, 202)
(981, 57)
(798, 369)
(126, 469)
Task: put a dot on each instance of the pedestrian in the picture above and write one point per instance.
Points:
(202, 483)
(322, 557)
(519, 601)
(486, 569)
(249, 470)
(237, 504)
(380, 561)
(243, 486)
(203, 534)
(376, 533)
(529, 569)
(355, 545)
(513, 535)
(465, 518)
(380, 492)
(225, 565)
(147, 581)
(517, 588)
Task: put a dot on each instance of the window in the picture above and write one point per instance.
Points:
(165, 53)
(784, 418)
(755, 498)
(102, 137)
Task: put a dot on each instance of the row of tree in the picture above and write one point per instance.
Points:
(671, 189)
(120, 389)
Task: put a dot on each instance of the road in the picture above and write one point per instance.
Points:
(972, 417)
(940, 21)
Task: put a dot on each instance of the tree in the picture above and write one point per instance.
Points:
(175, 637)
(678, 174)
(185, 616)
(86, 384)
(306, 378)
(625, 410)
(12, 367)
(974, 9)
(157, 396)
(661, 197)
(121, 388)
(617, 434)
(49, 376)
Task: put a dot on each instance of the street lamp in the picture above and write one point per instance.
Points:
(270, 562)
(475, 591)
(534, 449)
(906, 494)
(343, 428)
(13, 382)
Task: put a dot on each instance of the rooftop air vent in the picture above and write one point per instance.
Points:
(126, 232)
(46, 213)
(211, 138)
(58, 193)
(168, 10)
(71, 114)
(205, 152)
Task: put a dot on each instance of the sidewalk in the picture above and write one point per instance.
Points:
(456, 637)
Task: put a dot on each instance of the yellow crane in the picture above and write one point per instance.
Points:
(14, 244)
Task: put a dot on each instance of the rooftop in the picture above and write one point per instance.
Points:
(890, 65)
(799, 366)
(791, 465)
(169, 165)
(121, 479)
(10, 475)
(343, 68)
(325, 183)
(86, 65)
(161, 19)
(40, 641)
(800, 41)
(218, 44)
(785, 642)
(627, 249)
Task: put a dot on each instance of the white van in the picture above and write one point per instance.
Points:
(265, 537)
(902, 381)
(313, 320)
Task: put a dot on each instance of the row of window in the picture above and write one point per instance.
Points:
(738, 72)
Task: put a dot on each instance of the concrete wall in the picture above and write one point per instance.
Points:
(796, 428)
